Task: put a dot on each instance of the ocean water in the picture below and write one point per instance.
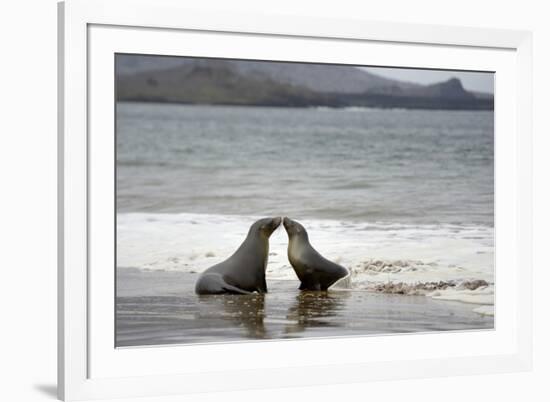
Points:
(400, 197)
(374, 165)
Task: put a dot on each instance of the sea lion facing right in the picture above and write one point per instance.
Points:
(314, 271)
(244, 271)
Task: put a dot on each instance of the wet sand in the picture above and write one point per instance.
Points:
(160, 307)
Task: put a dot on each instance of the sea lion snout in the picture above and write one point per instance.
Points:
(267, 225)
(287, 222)
(292, 227)
(276, 222)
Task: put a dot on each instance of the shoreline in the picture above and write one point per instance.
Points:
(389, 107)
(443, 261)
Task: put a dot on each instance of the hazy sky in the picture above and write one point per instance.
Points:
(474, 81)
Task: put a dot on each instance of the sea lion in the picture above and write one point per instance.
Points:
(314, 271)
(244, 271)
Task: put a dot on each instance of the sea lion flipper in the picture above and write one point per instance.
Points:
(213, 283)
(310, 286)
(235, 290)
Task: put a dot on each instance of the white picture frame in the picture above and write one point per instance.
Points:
(91, 32)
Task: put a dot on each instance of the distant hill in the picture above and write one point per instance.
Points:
(238, 82)
(213, 84)
(316, 77)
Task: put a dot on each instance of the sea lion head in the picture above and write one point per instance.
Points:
(265, 226)
(294, 228)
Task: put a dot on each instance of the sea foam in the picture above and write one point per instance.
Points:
(447, 262)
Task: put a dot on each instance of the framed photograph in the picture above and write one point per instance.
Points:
(255, 201)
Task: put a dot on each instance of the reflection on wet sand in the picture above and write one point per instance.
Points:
(314, 309)
(244, 311)
(161, 308)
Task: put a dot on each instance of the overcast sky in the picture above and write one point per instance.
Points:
(482, 82)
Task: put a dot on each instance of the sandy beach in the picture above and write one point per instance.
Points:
(160, 308)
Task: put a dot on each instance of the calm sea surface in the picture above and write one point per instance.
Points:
(402, 166)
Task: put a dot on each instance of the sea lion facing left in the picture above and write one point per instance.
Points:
(244, 271)
(314, 271)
